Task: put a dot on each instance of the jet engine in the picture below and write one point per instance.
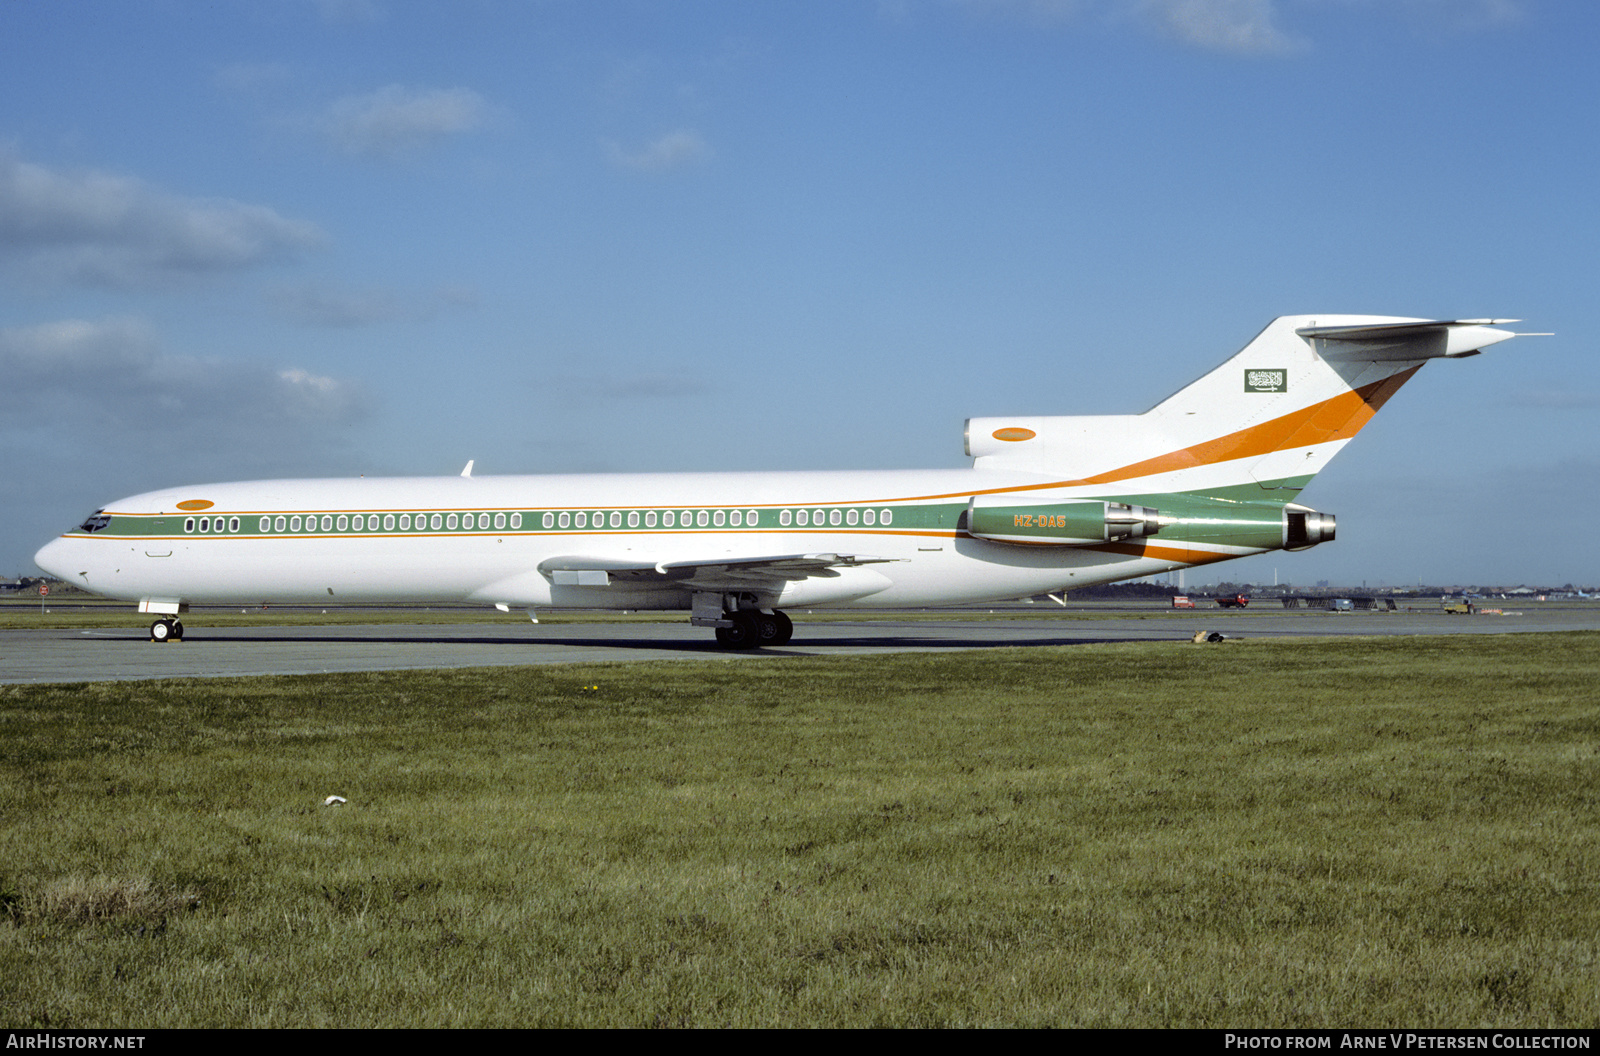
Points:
(1304, 528)
(1060, 523)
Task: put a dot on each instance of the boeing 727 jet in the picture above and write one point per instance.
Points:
(1048, 504)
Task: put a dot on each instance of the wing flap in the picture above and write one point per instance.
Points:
(766, 572)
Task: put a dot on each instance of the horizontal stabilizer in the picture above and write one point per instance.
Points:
(1411, 340)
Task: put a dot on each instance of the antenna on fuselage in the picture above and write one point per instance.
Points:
(468, 471)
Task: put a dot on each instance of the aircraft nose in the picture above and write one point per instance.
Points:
(55, 557)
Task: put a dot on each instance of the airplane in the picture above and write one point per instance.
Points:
(1048, 504)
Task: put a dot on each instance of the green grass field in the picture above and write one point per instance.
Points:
(1358, 832)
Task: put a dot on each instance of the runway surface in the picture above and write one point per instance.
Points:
(33, 656)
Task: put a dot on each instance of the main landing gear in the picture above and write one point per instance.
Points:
(753, 630)
(740, 621)
(167, 629)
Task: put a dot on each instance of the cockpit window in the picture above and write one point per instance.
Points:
(97, 520)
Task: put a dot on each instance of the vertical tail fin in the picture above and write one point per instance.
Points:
(1273, 414)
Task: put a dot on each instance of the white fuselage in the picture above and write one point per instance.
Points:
(925, 558)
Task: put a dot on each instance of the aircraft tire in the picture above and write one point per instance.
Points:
(775, 629)
(160, 631)
(744, 634)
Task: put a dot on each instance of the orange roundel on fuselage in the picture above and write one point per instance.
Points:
(1014, 433)
(196, 504)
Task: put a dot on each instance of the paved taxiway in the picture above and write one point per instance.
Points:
(113, 654)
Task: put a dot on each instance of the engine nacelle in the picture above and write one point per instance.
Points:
(1304, 528)
(1059, 523)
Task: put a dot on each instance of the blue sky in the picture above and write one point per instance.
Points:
(304, 238)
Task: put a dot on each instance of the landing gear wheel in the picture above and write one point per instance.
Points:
(177, 630)
(742, 635)
(774, 628)
(161, 631)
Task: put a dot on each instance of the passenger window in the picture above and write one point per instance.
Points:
(450, 522)
(785, 517)
(887, 516)
(751, 518)
(342, 524)
(869, 516)
(264, 525)
(437, 521)
(516, 520)
(633, 518)
(499, 521)
(802, 517)
(188, 524)
(616, 519)
(719, 518)
(650, 519)
(294, 524)
(833, 517)
(580, 520)
(702, 518)
(736, 518)
(851, 517)
(279, 524)
(233, 524)
(668, 518)
(549, 520)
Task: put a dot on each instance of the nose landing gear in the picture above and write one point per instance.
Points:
(166, 629)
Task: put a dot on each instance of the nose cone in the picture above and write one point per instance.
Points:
(55, 557)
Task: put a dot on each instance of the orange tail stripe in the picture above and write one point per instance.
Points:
(1338, 418)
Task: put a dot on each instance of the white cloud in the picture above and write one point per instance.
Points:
(395, 122)
(114, 376)
(96, 228)
(1242, 27)
(668, 152)
(96, 409)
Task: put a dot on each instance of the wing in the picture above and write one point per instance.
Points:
(768, 573)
